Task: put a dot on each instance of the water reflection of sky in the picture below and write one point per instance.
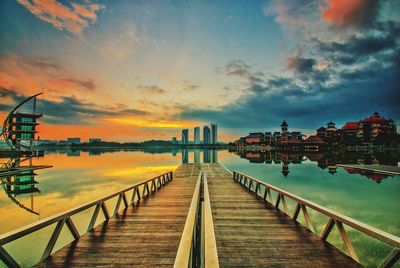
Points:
(85, 176)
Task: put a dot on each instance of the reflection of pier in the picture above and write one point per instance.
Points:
(200, 215)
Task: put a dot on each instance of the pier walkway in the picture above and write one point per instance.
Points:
(251, 232)
(146, 235)
(202, 215)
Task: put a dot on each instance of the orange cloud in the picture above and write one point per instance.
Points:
(343, 13)
(31, 75)
(74, 19)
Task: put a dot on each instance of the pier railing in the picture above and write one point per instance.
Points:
(138, 191)
(263, 190)
(198, 247)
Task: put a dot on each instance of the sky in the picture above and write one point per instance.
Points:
(132, 70)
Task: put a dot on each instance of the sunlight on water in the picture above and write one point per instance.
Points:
(79, 177)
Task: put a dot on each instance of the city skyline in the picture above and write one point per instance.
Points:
(139, 70)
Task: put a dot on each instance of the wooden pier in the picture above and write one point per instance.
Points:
(202, 215)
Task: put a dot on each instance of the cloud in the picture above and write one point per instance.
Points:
(34, 74)
(152, 89)
(337, 81)
(347, 13)
(73, 18)
(299, 64)
(86, 84)
(189, 87)
(69, 110)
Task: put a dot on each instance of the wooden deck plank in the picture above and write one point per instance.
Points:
(146, 235)
(248, 231)
(251, 233)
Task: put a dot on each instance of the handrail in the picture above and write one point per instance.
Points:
(335, 218)
(65, 217)
(210, 248)
(185, 250)
(198, 246)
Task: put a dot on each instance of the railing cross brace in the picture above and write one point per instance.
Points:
(7, 259)
(391, 259)
(53, 239)
(346, 240)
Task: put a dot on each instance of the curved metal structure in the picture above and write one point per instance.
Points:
(7, 122)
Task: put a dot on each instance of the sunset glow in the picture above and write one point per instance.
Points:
(137, 70)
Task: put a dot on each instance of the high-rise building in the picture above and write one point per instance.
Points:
(206, 135)
(214, 134)
(185, 136)
(197, 135)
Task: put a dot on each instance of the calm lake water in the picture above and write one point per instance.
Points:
(78, 177)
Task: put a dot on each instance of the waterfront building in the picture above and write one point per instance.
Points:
(284, 133)
(174, 140)
(330, 130)
(254, 138)
(94, 140)
(185, 136)
(371, 127)
(197, 135)
(214, 134)
(73, 141)
(206, 135)
(314, 143)
(348, 133)
(267, 138)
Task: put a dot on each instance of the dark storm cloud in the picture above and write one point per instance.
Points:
(69, 110)
(299, 64)
(382, 39)
(340, 81)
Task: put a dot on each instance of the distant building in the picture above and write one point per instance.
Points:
(314, 143)
(214, 134)
(254, 138)
(197, 135)
(349, 132)
(284, 133)
(73, 140)
(185, 136)
(206, 135)
(371, 127)
(174, 140)
(94, 140)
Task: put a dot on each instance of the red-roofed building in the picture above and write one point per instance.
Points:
(349, 131)
(314, 143)
(371, 127)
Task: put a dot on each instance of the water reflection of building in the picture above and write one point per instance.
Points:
(185, 156)
(209, 155)
(196, 156)
(206, 156)
(328, 162)
(18, 178)
(73, 153)
(377, 177)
